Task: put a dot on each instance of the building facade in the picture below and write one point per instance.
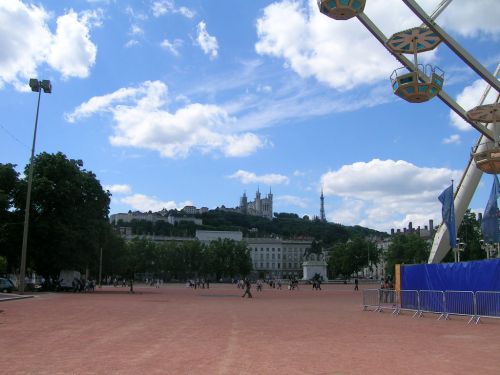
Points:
(152, 217)
(274, 257)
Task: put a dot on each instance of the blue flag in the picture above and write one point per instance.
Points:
(448, 212)
(489, 225)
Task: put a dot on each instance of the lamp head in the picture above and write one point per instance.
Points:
(34, 84)
(46, 86)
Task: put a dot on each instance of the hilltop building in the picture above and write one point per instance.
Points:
(259, 207)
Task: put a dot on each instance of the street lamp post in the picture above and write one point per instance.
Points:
(36, 86)
(489, 248)
(460, 247)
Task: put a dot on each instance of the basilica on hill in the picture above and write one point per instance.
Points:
(259, 207)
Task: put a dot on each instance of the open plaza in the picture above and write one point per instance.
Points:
(178, 330)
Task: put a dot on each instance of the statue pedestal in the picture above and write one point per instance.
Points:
(313, 267)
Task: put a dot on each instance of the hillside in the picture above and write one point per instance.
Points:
(283, 225)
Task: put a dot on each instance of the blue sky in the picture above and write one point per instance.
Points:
(194, 102)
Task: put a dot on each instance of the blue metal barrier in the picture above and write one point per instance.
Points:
(487, 305)
(432, 301)
(459, 303)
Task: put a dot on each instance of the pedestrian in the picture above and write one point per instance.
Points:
(131, 283)
(247, 289)
(356, 284)
(386, 289)
(259, 285)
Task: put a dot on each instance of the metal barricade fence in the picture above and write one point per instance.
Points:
(481, 304)
(431, 301)
(388, 300)
(407, 300)
(459, 303)
(371, 298)
(487, 305)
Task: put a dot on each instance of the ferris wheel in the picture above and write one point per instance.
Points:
(417, 83)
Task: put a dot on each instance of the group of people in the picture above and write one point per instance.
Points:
(82, 285)
(316, 284)
(387, 290)
(199, 283)
(293, 284)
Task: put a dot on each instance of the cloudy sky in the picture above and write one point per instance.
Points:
(172, 103)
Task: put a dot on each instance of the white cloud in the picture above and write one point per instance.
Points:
(131, 43)
(472, 18)
(172, 47)
(246, 177)
(118, 189)
(25, 38)
(186, 12)
(340, 54)
(452, 139)
(93, 18)
(385, 194)
(293, 200)
(144, 203)
(136, 16)
(207, 42)
(72, 52)
(298, 173)
(142, 121)
(103, 103)
(468, 99)
(27, 43)
(264, 88)
(243, 144)
(344, 55)
(136, 30)
(162, 7)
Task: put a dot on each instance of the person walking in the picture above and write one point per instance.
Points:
(247, 289)
(356, 284)
(259, 285)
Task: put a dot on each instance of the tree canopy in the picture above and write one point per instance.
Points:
(349, 257)
(68, 216)
(406, 249)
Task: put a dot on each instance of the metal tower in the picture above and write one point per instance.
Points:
(322, 216)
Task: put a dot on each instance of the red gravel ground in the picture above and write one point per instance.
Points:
(177, 330)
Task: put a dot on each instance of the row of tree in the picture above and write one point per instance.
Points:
(69, 227)
(219, 259)
(348, 258)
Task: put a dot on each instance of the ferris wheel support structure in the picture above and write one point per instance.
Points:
(454, 45)
(471, 176)
(452, 104)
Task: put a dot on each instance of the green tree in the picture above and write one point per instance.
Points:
(348, 258)
(69, 212)
(470, 234)
(228, 258)
(11, 217)
(3, 264)
(407, 249)
(114, 253)
(243, 261)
